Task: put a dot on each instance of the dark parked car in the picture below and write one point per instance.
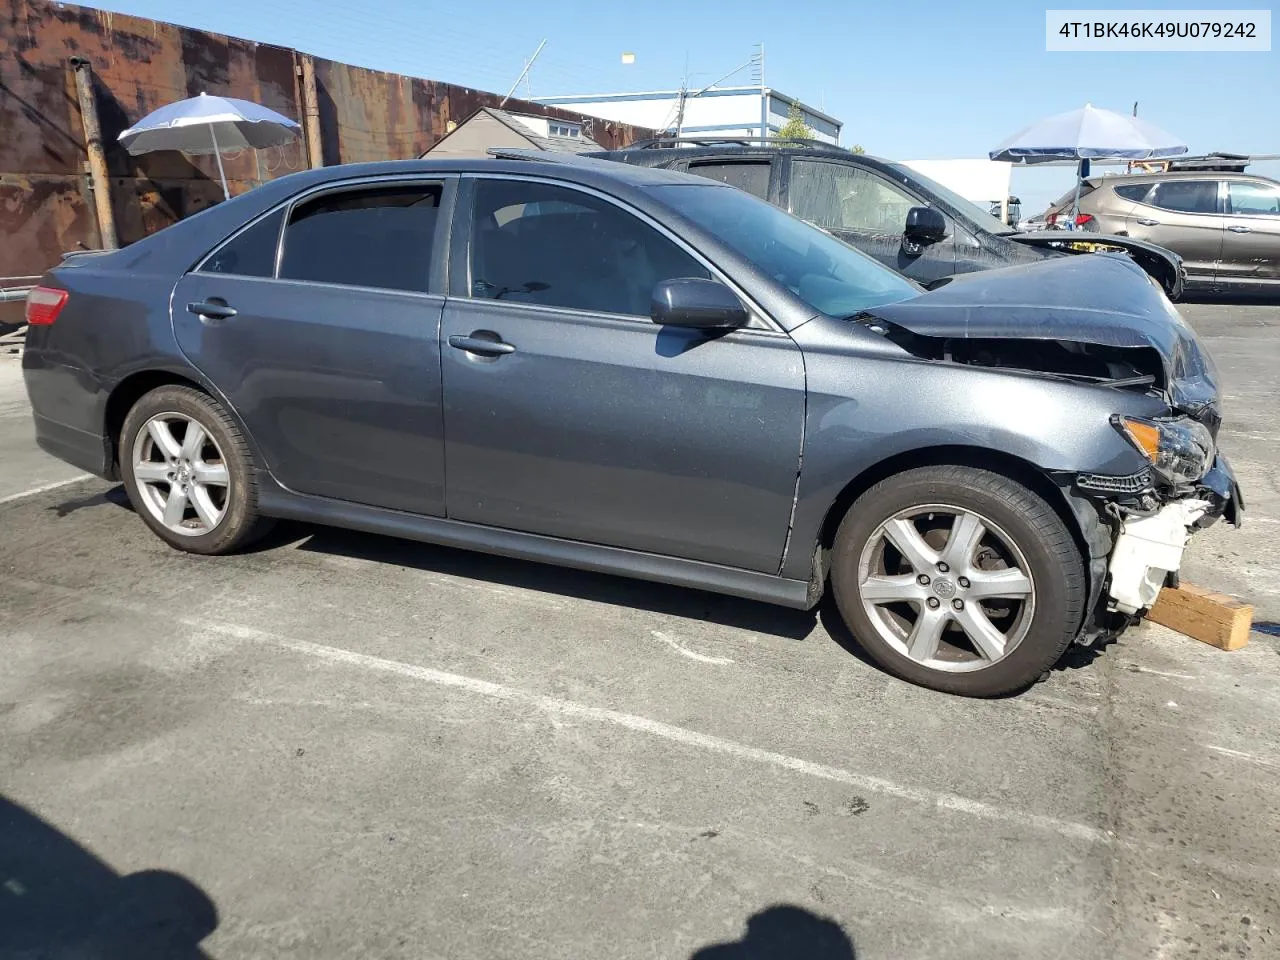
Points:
(904, 219)
(647, 373)
(1225, 226)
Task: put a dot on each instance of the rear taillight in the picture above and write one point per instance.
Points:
(44, 304)
(1052, 220)
(1083, 218)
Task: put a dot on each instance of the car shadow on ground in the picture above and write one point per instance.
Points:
(58, 900)
(784, 932)
(545, 578)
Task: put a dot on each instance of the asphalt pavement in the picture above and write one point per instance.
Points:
(341, 745)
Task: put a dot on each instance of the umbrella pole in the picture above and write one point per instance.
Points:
(226, 194)
(1075, 205)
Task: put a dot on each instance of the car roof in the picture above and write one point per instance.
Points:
(1176, 175)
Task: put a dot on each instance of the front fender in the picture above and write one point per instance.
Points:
(866, 410)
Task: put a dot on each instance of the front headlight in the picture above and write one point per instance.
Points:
(1180, 450)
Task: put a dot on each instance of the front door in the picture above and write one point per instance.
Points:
(869, 213)
(333, 360)
(569, 413)
(1186, 217)
(1251, 242)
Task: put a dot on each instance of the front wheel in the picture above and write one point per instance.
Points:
(958, 579)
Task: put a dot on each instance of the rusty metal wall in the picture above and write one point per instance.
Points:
(46, 206)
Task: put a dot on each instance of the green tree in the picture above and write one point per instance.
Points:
(857, 148)
(795, 128)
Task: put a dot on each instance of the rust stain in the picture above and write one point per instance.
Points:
(140, 65)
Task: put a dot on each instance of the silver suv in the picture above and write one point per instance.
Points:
(1226, 226)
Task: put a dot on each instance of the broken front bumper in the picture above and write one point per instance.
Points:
(1150, 545)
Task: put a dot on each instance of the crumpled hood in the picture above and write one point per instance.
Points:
(1095, 299)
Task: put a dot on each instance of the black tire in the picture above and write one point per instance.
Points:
(240, 523)
(1051, 555)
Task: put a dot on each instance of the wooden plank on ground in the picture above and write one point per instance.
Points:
(1213, 618)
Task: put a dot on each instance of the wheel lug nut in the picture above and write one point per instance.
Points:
(933, 603)
(923, 579)
(964, 582)
(942, 567)
(957, 604)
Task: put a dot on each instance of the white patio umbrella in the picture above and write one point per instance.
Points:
(1089, 133)
(205, 124)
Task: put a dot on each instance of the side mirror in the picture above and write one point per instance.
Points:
(925, 225)
(694, 302)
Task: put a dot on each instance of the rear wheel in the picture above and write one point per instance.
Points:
(958, 579)
(189, 472)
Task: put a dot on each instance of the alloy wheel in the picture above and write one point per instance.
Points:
(181, 474)
(946, 587)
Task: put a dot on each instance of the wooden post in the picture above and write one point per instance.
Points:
(97, 157)
(311, 112)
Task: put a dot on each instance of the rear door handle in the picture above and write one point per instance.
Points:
(482, 342)
(1239, 229)
(213, 309)
(1150, 223)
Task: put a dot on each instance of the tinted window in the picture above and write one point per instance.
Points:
(841, 197)
(537, 243)
(751, 176)
(1186, 196)
(1254, 199)
(824, 272)
(379, 237)
(252, 253)
(1132, 191)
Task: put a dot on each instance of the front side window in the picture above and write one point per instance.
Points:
(749, 175)
(1186, 196)
(1254, 199)
(544, 244)
(839, 196)
(371, 237)
(251, 253)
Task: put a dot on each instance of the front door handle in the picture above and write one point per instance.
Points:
(214, 308)
(483, 342)
(1149, 223)
(1235, 228)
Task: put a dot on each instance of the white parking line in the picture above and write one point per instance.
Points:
(675, 645)
(1241, 755)
(44, 487)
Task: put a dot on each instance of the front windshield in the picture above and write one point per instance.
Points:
(980, 217)
(828, 275)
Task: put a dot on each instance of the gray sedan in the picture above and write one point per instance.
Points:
(651, 374)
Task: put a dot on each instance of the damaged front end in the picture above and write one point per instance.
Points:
(1112, 333)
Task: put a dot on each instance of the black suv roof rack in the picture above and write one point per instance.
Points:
(661, 142)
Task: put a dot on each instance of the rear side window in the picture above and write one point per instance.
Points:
(749, 175)
(251, 253)
(1133, 191)
(377, 237)
(1186, 196)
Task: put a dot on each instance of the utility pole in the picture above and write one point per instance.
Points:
(311, 113)
(97, 156)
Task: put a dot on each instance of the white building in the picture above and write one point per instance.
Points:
(720, 111)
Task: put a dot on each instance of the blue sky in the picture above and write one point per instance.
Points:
(911, 80)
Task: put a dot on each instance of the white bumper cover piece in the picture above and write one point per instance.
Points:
(1148, 549)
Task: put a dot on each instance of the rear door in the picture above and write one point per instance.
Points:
(328, 347)
(585, 420)
(867, 211)
(1186, 217)
(1251, 242)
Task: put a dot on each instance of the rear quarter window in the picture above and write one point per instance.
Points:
(1136, 192)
